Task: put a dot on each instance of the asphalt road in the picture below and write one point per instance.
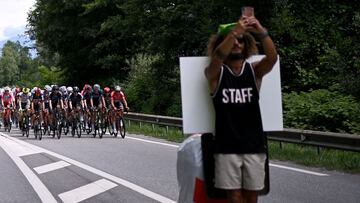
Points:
(134, 169)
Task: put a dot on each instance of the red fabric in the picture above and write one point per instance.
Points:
(200, 193)
(7, 97)
(117, 96)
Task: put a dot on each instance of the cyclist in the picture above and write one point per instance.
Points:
(46, 106)
(69, 93)
(76, 103)
(56, 98)
(107, 97)
(16, 110)
(69, 90)
(110, 117)
(24, 104)
(64, 94)
(7, 101)
(97, 102)
(75, 99)
(17, 95)
(97, 99)
(118, 101)
(36, 104)
(65, 109)
(56, 102)
(86, 93)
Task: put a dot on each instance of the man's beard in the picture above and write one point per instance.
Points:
(235, 56)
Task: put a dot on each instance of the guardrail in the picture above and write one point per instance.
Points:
(348, 142)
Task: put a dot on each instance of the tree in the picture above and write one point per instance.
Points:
(318, 44)
(9, 66)
(83, 34)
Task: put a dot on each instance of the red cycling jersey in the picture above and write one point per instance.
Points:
(7, 99)
(117, 96)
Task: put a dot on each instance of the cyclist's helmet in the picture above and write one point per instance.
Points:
(69, 89)
(87, 87)
(117, 88)
(63, 89)
(47, 88)
(37, 90)
(25, 90)
(106, 90)
(55, 88)
(76, 89)
(7, 89)
(96, 87)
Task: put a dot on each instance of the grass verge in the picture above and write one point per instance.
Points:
(329, 159)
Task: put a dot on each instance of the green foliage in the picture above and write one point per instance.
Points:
(322, 110)
(318, 44)
(18, 68)
(88, 37)
(9, 65)
(306, 155)
(146, 94)
(139, 88)
(172, 134)
(50, 75)
(137, 43)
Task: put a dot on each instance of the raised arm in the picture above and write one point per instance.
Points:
(220, 53)
(266, 64)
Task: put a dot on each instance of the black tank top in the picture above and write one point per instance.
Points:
(238, 126)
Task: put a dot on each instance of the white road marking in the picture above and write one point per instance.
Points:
(51, 167)
(86, 191)
(103, 174)
(41, 190)
(273, 165)
(19, 150)
(298, 170)
(153, 142)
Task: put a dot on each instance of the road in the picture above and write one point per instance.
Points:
(135, 169)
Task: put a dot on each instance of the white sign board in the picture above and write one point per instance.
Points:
(197, 108)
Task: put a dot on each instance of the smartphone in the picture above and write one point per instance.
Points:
(247, 11)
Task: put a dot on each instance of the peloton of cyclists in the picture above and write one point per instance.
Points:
(54, 101)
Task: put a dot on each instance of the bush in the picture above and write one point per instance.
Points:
(140, 83)
(322, 110)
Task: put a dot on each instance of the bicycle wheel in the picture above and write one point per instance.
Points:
(27, 132)
(9, 128)
(78, 129)
(26, 126)
(8, 124)
(36, 130)
(40, 134)
(73, 127)
(122, 127)
(103, 126)
(53, 128)
(58, 130)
